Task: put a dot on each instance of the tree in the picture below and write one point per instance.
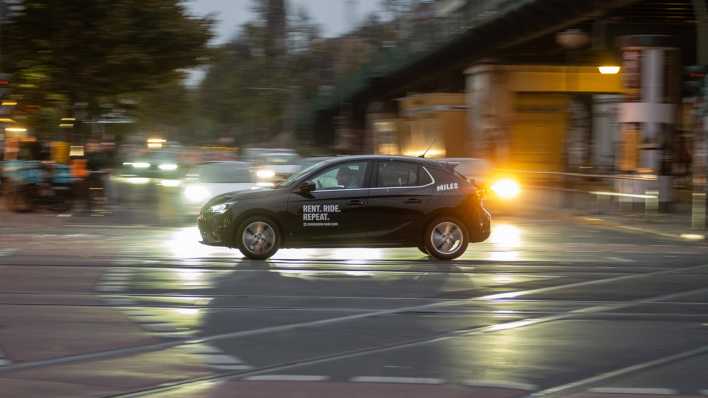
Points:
(252, 92)
(92, 51)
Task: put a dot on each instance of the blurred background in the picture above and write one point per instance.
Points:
(583, 104)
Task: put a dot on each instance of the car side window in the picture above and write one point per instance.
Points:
(349, 175)
(391, 174)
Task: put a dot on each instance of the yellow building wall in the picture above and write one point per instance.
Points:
(454, 127)
(539, 119)
(436, 121)
(575, 79)
(537, 136)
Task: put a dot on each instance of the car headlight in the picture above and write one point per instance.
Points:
(506, 188)
(141, 165)
(196, 193)
(167, 167)
(265, 173)
(221, 208)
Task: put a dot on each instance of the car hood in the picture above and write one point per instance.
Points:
(245, 195)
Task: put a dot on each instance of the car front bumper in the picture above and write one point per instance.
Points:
(215, 229)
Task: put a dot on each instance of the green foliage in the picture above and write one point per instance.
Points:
(92, 51)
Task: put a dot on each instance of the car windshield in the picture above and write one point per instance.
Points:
(221, 173)
(296, 176)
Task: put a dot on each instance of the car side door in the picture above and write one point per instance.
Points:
(398, 199)
(335, 212)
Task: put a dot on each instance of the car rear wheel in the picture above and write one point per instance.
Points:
(258, 238)
(446, 238)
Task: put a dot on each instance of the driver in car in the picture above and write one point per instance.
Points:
(347, 178)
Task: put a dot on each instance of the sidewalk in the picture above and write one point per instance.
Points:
(675, 225)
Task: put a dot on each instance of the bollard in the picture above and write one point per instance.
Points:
(698, 210)
(651, 203)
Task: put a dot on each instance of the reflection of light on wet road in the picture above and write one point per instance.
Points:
(184, 243)
(191, 277)
(504, 256)
(505, 236)
(187, 311)
(503, 279)
(349, 255)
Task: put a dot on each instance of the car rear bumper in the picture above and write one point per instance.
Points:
(481, 227)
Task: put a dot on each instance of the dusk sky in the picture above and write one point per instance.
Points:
(330, 14)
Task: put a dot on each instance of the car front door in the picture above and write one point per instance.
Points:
(336, 210)
(397, 200)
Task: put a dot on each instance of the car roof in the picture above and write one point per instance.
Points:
(425, 161)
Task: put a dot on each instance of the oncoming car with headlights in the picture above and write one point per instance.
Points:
(208, 180)
(353, 201)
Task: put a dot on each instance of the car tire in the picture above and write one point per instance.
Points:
(258, 238)
(446, 238)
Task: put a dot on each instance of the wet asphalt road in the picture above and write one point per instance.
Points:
(104, 307)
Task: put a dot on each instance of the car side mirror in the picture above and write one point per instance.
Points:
(307, 187)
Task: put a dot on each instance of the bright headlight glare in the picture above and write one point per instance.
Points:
(167, 167)
(265, 173)
(221, 208)
(141, 165)
(196, 193)
(506, 188)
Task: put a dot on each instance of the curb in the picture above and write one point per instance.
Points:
(690, 236)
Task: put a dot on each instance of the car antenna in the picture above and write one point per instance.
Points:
(428, 148)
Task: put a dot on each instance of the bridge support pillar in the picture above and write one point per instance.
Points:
(488, 101)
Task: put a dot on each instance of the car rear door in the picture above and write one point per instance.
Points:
(335, 213)
(398, 198)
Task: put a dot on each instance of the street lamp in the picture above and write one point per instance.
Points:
(609, 69)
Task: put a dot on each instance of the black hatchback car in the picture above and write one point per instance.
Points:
(353, 201)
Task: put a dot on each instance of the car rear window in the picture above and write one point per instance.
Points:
(391, 174)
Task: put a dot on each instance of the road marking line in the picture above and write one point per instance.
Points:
(621, 259)
(229, 367)
(110, 226)
(202, 349)
(221, 359)
(7, 252)
(397, 380)
(110, 288)
(623, 371)
(329, 321)
(115, 278)
(501, 384)
(287, 378)
(139, 313)
(632, 390)
(160, 327)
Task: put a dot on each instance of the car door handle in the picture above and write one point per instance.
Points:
(356, 203)
(413, 201)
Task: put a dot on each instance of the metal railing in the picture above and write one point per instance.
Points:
(613, 194)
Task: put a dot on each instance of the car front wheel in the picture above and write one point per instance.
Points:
(258, 238)
(446, 238)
